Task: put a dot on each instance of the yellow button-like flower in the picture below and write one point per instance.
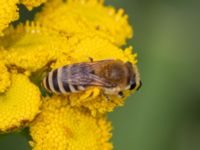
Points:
(19, 104)
(8, 13)
(62, 127)
(86, 17)
(31, 47)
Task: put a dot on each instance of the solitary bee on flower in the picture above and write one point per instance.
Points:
(112, 76)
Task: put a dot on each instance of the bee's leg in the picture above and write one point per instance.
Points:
(91, 59)
(107, 98)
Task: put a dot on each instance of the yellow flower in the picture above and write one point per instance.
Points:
(31, 47)
(86, 17)
(61, 127)
(20, 104)
(8, 13)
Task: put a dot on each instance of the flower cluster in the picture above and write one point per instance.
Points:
(64, 32)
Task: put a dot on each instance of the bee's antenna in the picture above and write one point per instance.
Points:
(91, 59)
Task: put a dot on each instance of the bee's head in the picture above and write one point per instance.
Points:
(133, 80)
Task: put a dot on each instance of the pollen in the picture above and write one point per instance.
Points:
(19, 105)
(60, 127)
(8, 13)
(86, 18)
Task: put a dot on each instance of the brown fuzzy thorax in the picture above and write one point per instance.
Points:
(115, 72)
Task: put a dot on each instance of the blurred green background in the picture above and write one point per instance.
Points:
(165, 113)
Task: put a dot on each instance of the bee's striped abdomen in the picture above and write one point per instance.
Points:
(45, 83)
(56, 81)
(63, 88)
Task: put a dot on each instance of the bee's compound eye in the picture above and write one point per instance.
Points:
(121, 93)
(133, 85)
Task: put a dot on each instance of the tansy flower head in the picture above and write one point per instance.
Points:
(59, 126)
(31, 47)
(19, 104)
(86, 17)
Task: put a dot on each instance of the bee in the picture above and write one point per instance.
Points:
(112, 76)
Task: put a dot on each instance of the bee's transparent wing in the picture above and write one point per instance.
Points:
(89, 80)
(83, 74)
